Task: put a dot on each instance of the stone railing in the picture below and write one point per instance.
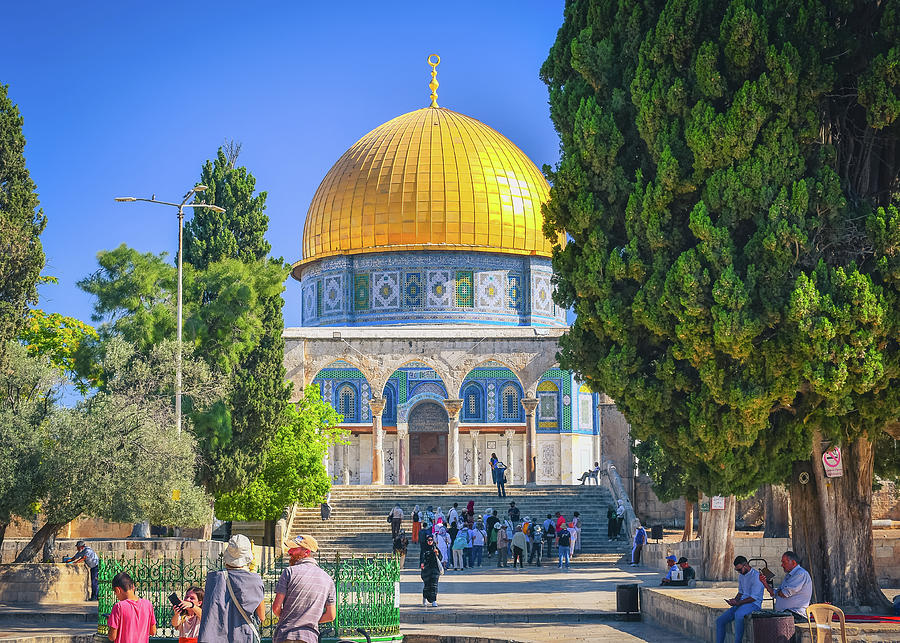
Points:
(153, 547)
(613, 481)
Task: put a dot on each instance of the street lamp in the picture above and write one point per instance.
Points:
(181, 206)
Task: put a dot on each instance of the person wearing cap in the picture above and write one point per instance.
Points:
(687, 574)
(674, 571)
(91, 561)
(233, 603)
(304, 594)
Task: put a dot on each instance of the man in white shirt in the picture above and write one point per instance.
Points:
(747, 600)
(453, 515)
(795, 591)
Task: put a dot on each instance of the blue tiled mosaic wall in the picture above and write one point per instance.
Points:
(429, 287)
(490, 395)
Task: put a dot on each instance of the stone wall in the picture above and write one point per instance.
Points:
(81, 528)
(33, 583)
(887, 554)
(153, 547)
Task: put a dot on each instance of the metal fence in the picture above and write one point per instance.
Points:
(367, 588)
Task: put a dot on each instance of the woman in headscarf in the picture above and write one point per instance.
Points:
(442, 540)
(416, 524)
(470, 510)
(430, 564)
(233, 605)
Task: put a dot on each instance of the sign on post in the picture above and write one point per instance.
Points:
(718, 502)
(834, 468)
(704, 506)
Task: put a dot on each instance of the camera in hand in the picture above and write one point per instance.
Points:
(173, 598)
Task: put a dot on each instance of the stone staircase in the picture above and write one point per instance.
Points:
(358, 523)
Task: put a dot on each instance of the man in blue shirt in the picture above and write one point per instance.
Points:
(747, 600)
(91, 560)
(795, 591)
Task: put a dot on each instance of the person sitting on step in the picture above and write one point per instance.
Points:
(591, 474)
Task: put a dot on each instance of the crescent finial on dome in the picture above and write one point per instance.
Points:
(433, 85)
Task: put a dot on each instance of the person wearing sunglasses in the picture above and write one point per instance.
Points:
(748, 599)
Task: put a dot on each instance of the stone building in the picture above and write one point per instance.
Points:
(427, 312)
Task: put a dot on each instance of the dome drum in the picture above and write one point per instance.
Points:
(435, 287)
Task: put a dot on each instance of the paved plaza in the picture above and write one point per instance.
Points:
(532, 604)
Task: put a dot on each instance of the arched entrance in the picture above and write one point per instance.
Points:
(428, 431)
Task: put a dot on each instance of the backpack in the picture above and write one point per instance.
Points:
(565, 539)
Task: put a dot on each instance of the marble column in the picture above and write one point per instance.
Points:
(377, 406)
(598, 436)
(530, 405)
(403, 453)
(453, 407)
(476, 474)
(345, 463)
(508, 456)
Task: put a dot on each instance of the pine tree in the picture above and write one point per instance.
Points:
(21, 224)
(259, 391)
(729, 185)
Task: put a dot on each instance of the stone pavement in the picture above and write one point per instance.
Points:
(534, 604)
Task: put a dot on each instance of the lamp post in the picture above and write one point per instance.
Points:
(181, 206)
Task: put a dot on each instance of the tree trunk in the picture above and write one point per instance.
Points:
(717, 542)
(36, 544)
(140, 530)
(688, 533)
(832, 527)
(776, 511)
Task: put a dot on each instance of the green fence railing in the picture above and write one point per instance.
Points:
(367, 588)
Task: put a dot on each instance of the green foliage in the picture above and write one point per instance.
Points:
(294, 469)
(670, 480)
(729, 184)
(61, 339)
(28, 390)
(134, 296)
(237, 233)
(21, 224)
(115, 455)
(118, 455)
(241, 327)
(232, 320)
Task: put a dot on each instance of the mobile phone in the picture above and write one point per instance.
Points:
(173, 598)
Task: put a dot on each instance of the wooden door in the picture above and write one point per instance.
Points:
(428, 458)
(428, 432)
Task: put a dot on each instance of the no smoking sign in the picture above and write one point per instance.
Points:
(832, 461)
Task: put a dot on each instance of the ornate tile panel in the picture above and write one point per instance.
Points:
(385, 290)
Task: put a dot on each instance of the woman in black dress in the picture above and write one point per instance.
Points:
(430, 564)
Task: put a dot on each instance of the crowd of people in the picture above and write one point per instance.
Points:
(231, 606)
(461, 540)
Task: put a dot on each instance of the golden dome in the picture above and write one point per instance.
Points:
(432, 179)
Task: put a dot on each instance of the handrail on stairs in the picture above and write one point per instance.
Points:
(613, 481)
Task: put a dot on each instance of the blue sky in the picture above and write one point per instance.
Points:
(127, 98)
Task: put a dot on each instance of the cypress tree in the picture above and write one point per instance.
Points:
(729, 185)
(21, 224)
(256, 403)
